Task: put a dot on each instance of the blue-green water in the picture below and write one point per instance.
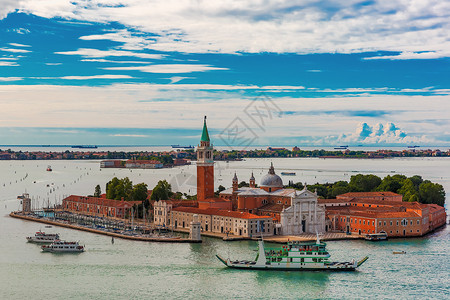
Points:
(138, 270)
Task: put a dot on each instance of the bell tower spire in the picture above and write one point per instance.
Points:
(205, 166)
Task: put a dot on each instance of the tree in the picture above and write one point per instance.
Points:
(408, 190)
(364, 183)
(219, 189)
(98, 191)
(391, 183)
(242, 184)
(111, 188)
(162, 191)
(338, 188)
(432, 193)
(140, 192)
(416, 180)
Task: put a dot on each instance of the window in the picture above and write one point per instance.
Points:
(391, 223)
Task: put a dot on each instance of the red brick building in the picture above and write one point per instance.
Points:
(382, 211)
(98, 206)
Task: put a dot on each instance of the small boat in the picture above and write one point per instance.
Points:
(63, 247)
(49, 168)
(381, 236)
(294, 256)
(85, 147)
(288, 173)
(42, 237)
(182, 147)
(398, 252)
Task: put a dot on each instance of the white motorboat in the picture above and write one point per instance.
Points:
(63, 247)
(43, 238)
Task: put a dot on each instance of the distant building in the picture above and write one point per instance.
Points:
(143, 164)
(111, 164)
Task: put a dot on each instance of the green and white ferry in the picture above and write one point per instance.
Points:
(294, 256)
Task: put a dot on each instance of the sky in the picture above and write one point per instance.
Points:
(264, 72)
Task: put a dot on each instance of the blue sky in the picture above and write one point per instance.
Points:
(310, 73)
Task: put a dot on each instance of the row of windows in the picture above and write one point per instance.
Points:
(403, 222)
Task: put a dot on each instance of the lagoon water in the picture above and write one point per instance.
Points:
(138, 270)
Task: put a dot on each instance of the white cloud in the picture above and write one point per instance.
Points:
(14, 50)
(378, 134)
(53, 64)
(176, 79)
(114, 61)
(19, 45)
(105, 53)
(8, 58)
(183, 106)
(96, 77)
(169, 68)
(10, 78)
(231, 26)
(130, 135)
(8, 64)
(411, 55)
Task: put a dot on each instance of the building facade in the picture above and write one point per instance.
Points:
(101, 207)
(374, 212)
(303, 216)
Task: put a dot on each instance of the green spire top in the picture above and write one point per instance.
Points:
(205, 135)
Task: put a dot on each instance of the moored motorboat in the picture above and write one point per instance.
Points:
(294, 256)
(63, 247)
(42, 237)
(381, 236)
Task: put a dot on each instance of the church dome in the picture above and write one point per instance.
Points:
(271, 179)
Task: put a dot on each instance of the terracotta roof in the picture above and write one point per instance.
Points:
(272, 207)
(371, 213)
(100, 201)
(177, 203)
(214, 200)
(435, 207)
(219, 212)
(332, 201)
(368, 194)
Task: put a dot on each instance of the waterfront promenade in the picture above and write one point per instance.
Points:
(103, 232)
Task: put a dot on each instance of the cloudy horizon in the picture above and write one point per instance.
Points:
(310, 73)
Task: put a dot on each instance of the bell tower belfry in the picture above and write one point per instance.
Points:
(205, 166)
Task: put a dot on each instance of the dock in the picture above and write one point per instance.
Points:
(32, 218)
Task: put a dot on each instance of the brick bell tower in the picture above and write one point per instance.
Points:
(205, 167)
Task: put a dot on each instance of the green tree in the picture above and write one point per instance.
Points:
(338, 188)
(111, 188)
(243, 183)
(140, 192)
(162, 191)
(219, 189)
(417, 180)
(364, 183)
(432, 193)
(322, 190)
(408, 190)
(391, 183)
(98, 191)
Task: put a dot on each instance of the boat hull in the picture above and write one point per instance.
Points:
(254, 266)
